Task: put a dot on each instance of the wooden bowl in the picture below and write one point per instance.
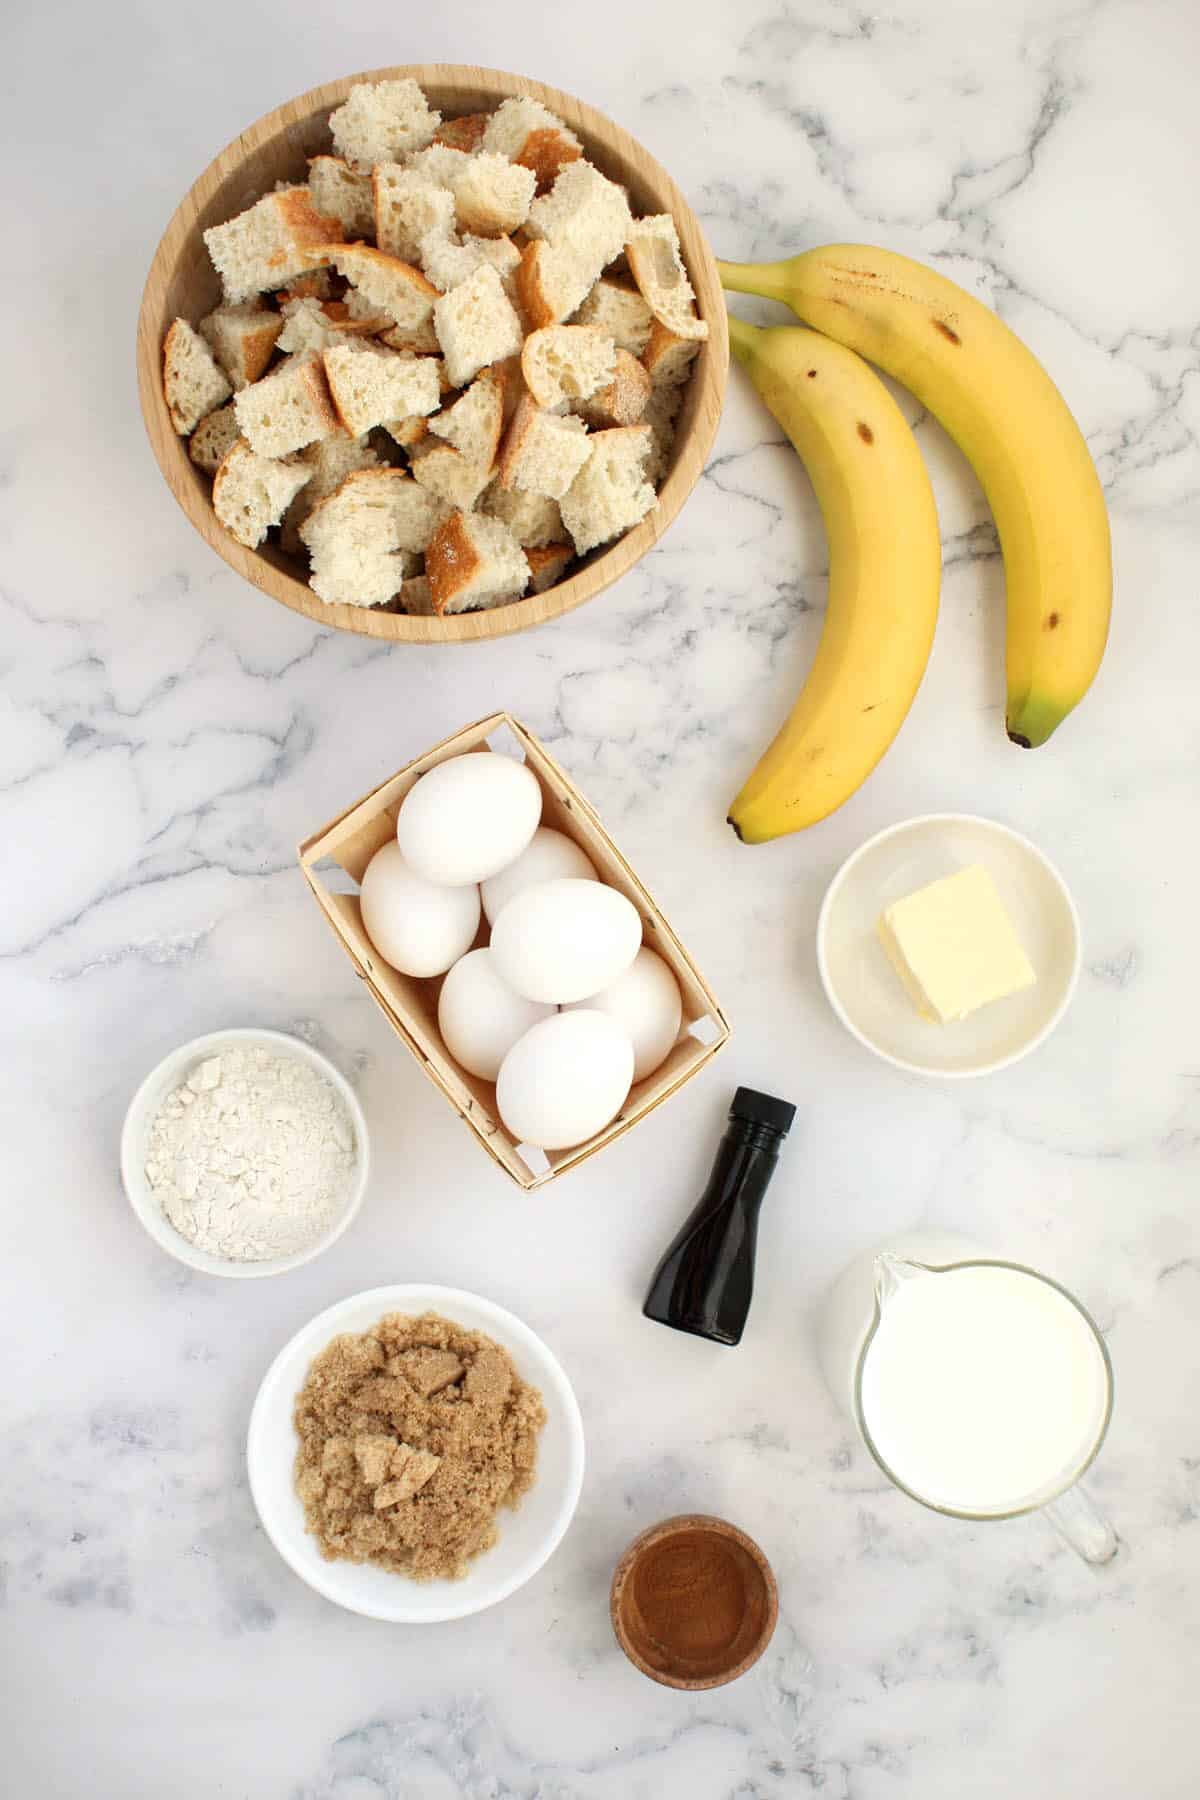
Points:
(693, 1602)
(182, 283)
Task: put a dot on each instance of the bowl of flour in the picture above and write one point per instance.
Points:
(245, 1153)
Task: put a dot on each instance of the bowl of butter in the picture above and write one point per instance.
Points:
(949, 945)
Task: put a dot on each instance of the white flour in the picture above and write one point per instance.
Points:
(253, 1156)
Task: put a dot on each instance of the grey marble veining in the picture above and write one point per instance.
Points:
(166, 737)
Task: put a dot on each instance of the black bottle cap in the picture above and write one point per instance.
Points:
(763, 1109)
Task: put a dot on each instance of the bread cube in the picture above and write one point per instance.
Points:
(213, 438)
(448, 263)
(280, 237)
(585, 213)
(474, 560)
(476, 325)
(619, 312)
(242, 339)
(475, 421)
(440, 164)
(547, 565)
(287, 409)
(344, 193)
(193, 384)
(386, 283)
(417, 340)
(409, 431)
(610, 492)
(306, 325)
(623, 400)
(668, 358)
(530, 134)
(328, 461)
(407, 208)
(543, 452)
(661, 411)
(358, 538)
(534, 519)
(492, 195)
(251, 493)
(464, 133)
(370, 385)
(657, 267)
(565, 363)
(551, 283)
(446, 473)
(381, 121)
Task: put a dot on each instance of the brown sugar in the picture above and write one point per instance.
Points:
(412, 1437)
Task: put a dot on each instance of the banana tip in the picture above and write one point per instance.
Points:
(1015, 737)
(737, 830)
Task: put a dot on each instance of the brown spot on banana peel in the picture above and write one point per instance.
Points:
(865, 432)
(1052, 623)
(950, 335)
(861, 280)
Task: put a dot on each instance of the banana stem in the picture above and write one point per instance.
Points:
(768, 280)
(742, 339)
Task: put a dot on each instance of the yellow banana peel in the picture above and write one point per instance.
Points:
(884, 572)
(1006, 415)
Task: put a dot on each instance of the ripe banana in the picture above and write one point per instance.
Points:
(1010, 421)
(884, 569)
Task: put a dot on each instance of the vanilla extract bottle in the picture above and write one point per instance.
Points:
(705, 1282)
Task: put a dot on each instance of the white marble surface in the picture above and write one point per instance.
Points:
(167, 737)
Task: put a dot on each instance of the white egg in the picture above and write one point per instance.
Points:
(550, 856)
(565, 1080)
(468, 818)
(647, 1002)
(565, 939)
(479, 1016)
(416, 926)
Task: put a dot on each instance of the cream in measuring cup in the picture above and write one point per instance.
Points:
(981, 1387)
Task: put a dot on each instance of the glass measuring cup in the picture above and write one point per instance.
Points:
(866, 1349)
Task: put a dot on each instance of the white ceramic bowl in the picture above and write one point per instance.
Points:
(528, 1535)
(146, 1102)
(862, 986)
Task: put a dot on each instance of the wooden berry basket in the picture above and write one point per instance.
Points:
(410, 1005)
(182, 283)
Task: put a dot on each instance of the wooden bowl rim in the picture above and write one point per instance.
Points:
(666, 1528)
(710, 371)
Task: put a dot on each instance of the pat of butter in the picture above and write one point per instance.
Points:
(953, 946)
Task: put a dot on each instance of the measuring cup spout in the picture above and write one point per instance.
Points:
(891, 1273)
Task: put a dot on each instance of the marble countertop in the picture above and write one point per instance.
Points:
(166, 737)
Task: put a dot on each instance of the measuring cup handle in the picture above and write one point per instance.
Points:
(1081, 1525)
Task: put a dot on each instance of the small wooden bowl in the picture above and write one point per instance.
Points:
(182, 283)
(718, 1585)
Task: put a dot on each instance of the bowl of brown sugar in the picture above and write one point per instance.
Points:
(415, 1453)
(694, 1602)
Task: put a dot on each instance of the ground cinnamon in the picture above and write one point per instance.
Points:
(694, 1601)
